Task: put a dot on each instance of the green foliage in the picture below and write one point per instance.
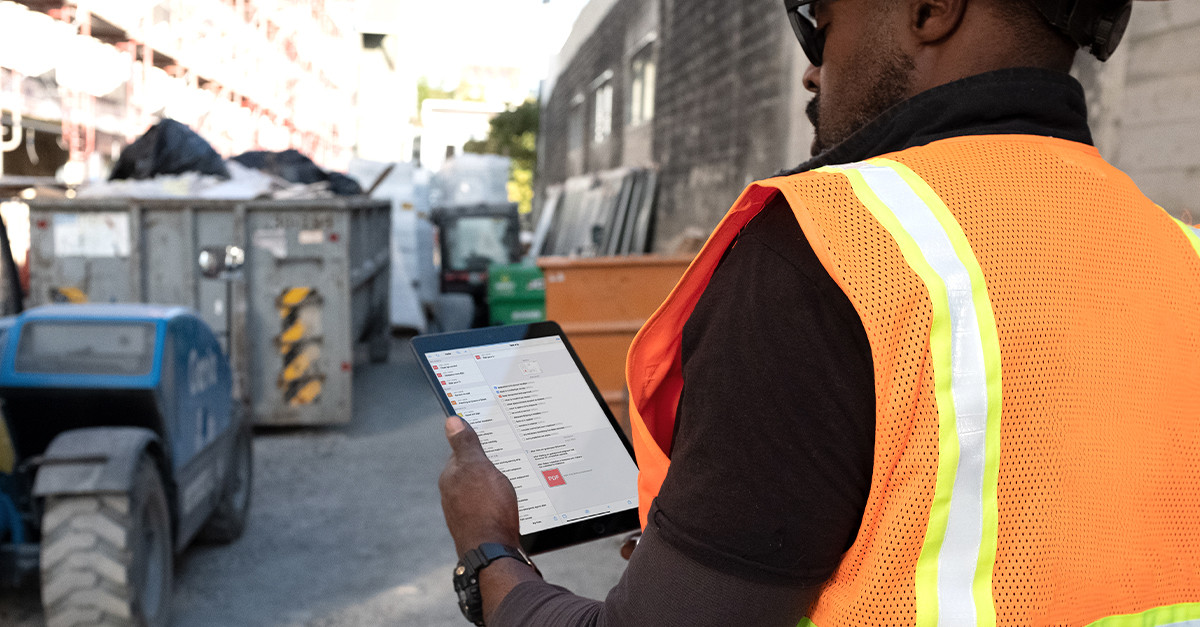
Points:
(514, 135)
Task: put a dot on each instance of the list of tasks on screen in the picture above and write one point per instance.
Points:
(541, 426)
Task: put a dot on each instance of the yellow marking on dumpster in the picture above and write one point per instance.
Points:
(297, 368)
(307, 393)
(73, 295)
(291, 335)
(294, 296)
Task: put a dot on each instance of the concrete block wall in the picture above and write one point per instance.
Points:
(572, 92)
(730, 104)
(1145, 104)
(728, 111)
(721, 107)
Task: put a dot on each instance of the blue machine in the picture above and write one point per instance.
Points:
(116, 417)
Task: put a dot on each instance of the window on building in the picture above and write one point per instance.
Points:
(575, 124)
(604, 112)
(641, 87)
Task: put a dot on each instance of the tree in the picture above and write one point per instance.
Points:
(513, 134)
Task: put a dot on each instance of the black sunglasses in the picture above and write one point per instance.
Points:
(812, 40)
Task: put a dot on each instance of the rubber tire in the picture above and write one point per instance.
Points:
(379, 347)
(228, 520)
(95, 572)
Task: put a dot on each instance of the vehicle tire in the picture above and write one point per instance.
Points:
(379, 347)
(228, 520)
(107, 560)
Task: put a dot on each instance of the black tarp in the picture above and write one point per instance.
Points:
(169, 147)
(293, 167)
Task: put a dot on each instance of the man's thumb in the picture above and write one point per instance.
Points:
(460, 434)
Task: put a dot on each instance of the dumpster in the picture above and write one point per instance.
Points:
(601, 303)
(290, 287)
(516, 294)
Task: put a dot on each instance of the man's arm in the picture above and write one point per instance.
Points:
(770, 467)
(661, 586)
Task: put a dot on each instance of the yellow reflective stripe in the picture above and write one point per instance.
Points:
(1189, 231)
(953, 577)
(990, 339)
(1182, 615)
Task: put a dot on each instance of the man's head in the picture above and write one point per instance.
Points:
(880, 52)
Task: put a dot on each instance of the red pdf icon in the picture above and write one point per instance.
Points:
(554, 478)
(439, 374)
(478, 357)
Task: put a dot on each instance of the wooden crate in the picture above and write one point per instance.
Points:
(601, 303)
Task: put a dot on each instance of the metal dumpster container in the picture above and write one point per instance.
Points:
(314, 283)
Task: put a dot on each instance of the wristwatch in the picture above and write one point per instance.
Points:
(466, 575)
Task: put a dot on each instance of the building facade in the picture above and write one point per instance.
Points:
(710, 93)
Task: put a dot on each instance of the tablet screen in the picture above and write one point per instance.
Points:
(542, 427)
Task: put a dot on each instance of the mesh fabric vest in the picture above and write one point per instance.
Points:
(1033, 321)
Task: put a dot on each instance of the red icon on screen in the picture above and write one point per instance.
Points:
(478, 357)
(554, 478)
(435, 368)
(439, 374)
(443, 383)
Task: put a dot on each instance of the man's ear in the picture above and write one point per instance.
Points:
(930, 21)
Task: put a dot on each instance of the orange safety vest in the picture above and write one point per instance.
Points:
(1034, 322)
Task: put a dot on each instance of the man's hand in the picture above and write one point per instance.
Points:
(480, 506)
(477, 499)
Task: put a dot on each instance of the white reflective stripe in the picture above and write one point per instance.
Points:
(959, 553)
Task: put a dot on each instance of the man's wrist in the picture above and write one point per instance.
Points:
(468, 575)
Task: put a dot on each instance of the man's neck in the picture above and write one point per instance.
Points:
(1024, 101)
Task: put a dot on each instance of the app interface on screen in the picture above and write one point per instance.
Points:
(542, 427)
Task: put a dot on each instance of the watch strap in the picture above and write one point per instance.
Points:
(488, 552)
(466, 575)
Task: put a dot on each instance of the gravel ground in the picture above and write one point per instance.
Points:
(346, 528)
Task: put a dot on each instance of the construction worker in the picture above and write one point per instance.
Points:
(930, 377)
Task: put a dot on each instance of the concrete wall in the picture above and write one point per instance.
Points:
(729, 106)
(730, 103)
(1145, 104)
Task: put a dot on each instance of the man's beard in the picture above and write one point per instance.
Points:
(889, 78)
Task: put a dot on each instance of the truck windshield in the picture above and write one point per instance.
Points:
(476, 242)
(114, 348)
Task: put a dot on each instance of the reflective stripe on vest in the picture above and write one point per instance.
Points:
(1182, 615)
(954, 571)
(1191, 232)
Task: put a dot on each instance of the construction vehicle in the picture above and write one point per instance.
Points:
(121, 442)
(472, 238)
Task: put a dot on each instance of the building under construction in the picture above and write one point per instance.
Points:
(81, 79)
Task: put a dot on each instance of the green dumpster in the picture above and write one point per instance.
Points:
(516, 294)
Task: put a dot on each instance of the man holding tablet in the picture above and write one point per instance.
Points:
(930, 377)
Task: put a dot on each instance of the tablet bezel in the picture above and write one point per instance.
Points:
(564, 535)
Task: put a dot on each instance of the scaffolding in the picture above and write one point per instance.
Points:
(245, 74)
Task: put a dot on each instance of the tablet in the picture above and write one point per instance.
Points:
(544, 424)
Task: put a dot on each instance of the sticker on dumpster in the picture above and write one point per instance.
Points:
(315, 236)
(91, 234)
(273, 241)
